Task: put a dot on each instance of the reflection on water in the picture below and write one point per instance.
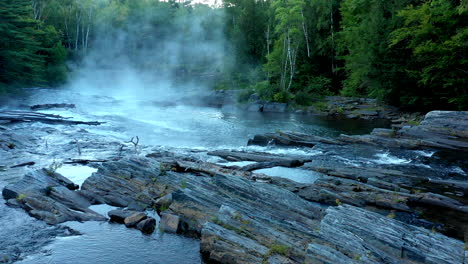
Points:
(76, 173)
(295, 174)
(110, 243)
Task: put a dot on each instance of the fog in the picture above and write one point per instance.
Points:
(156, 54)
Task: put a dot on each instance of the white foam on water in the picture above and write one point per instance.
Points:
(458, 170)
(387, 158)
(237, 163)
(425, 153)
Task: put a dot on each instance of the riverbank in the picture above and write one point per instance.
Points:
(332, 106)
(354, 201)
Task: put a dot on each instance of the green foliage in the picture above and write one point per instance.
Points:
(20, 61)
(409, 53)
(183, 183)
(265, 90)
(436, 35)
(277, 249)
(31, 52)
(53, 167)
(20, 197)
(317, 88)
(163, 208)
(404, 52)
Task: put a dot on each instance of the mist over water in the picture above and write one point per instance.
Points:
(160, 54)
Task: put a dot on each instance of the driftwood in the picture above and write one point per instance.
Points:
(50, 106)
(30, 163)
(134, 142)
(26, 116)
(82, 161)
(270, 164)
(257, 157)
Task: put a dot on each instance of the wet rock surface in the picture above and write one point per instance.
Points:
(360, 210)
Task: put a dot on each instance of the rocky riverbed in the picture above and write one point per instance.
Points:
(393, 196)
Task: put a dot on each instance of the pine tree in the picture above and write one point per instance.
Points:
(20, 61)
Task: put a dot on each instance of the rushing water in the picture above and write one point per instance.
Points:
(179, 126)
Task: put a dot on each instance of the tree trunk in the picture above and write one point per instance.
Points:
(306, 34)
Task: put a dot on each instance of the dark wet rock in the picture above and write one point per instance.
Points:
(25, 116)
(354, 108)
(50, 106)
(254, 107)
(136, 206)
(243, 221)
(134, 219)
(289, 139)
(163, 202)
(119, 215)
(254, 97)
(275, 107)
(47, 196)
(125, 184)
(37, 181)
(147, 225)
(445, 130)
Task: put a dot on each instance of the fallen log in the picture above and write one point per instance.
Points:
(82, 161)
(289, 139)
(279, 163)
(247, 156)
(30, 163)
(50, 106)
(26, 116)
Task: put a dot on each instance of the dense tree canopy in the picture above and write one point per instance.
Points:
(411, 53)
(405, 52)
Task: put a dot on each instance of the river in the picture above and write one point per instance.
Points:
(161, 124)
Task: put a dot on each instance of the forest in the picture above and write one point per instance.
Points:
(408, 53)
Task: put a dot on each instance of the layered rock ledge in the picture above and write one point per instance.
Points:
(353, 213)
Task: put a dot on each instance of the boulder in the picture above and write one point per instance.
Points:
(254, 107)
(147, 225)
(169, 223)
(134, 219)
(254, 97)
(119, 215)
